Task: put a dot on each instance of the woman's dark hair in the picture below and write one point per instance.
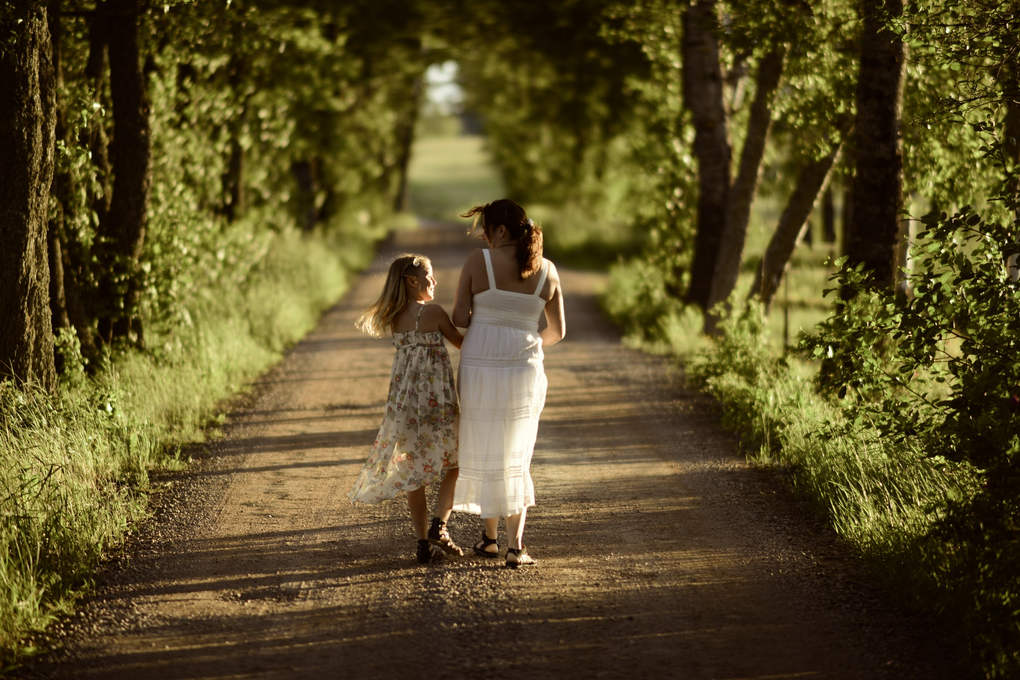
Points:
(523, 232)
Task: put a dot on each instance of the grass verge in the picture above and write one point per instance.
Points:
(74, 465)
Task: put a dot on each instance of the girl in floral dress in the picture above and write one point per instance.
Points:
(417, 442)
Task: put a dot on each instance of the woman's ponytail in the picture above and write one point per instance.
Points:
(529, 249)
(524, 232)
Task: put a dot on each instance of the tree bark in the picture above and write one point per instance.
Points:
(60, 189)
(745, 187)
(132, 172)
(306, 174)
(703, 96)
(793, 223)
(95, 136)
(233, 178)
(406, 142)
(878, 180)
(26, 171)
(828, 216)
(1011, 144)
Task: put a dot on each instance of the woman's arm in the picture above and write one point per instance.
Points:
(462, 303)
(556, 326)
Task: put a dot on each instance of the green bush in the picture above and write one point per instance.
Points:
(74, 466)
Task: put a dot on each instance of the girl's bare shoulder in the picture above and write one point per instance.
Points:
(433, 315)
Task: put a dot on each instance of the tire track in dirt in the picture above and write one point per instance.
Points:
(661, 552)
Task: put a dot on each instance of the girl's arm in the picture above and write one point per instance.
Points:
(556, 326)
(449, 331)
(434, 318)
(462, 303)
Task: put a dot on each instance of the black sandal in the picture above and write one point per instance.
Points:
(439, 536)
(519, 558)
(480, 546)
(427, 552)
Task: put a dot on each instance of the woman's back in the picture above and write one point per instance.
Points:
(508, 308)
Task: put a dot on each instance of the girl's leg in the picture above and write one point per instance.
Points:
(515, 529)
(444, 504)
(419, 512)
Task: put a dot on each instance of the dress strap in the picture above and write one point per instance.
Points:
(542, 277)
(418, 318)
(488, 269)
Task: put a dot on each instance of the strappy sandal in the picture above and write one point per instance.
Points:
(439, 536)
(480, 546)
(519, 558)
(427, 552)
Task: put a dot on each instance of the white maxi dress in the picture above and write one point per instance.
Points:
(502, 391)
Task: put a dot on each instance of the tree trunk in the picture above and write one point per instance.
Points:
(828, 216)
(703, 96)
(26, 173)
(132, 171)
(1011, 95)
(745, 187)
(306, 174)
(233, 178)
(61, 186)
(878, 190)
(812, 181)
(95, 137)
(405, 144)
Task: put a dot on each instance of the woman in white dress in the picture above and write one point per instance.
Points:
(509, 299)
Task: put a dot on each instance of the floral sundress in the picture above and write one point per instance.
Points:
(417, 440)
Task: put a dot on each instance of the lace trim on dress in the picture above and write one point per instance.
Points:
(476, 475)
(509, 323)
(499, 363)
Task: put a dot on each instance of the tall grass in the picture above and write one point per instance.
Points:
(74, 465)
(883, 497)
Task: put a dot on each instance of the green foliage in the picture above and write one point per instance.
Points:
(937, 372)
(233, 270)
(74, 466)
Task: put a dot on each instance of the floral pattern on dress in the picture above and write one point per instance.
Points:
(417, 440)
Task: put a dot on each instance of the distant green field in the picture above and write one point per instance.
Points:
(449, 175)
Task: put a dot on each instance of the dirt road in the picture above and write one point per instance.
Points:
(662, 554)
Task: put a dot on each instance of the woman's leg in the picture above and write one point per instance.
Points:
(515, 529)
(419, 512)
(444, 504)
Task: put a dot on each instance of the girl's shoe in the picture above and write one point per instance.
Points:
(480, 546)
(519, 558)
(439, 536)
(428, 552)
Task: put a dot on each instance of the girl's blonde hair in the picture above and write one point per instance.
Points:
(377, 320)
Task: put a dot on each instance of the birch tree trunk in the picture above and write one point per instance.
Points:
(26, 172)
(745, 187)
(703, 96)
(878, 180)
(793, 223)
